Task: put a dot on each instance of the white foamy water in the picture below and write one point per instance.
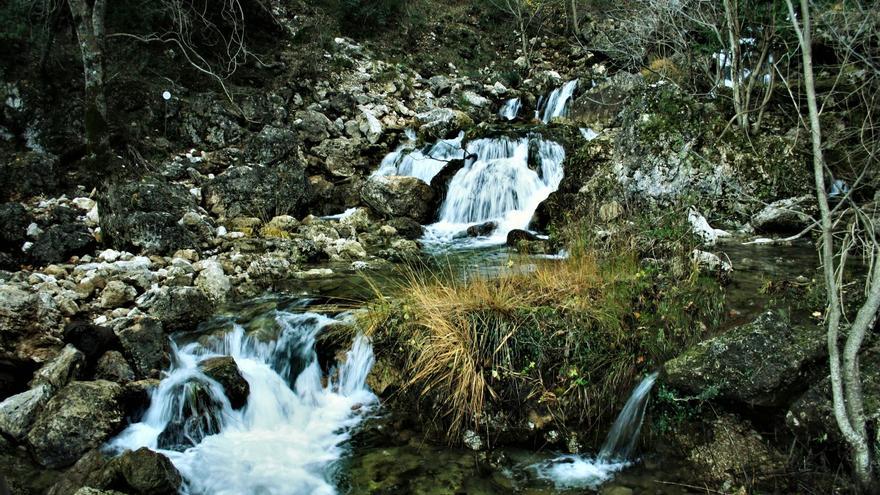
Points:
(497, 185)
(556, 105)
(423, 163)
(574, 471)
(284, 440)
(510, 109)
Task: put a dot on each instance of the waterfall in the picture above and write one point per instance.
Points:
(556, 104)
(624, 434)
(497, 185)
(510, 109)
(425, 163)
(287, 436)
(573, 471)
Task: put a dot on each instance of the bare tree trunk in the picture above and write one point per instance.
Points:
(845, 379)
(731, 13)
(575, 25)
(88, 16)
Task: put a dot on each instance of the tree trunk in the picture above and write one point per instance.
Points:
(845, 380)
(88, 16)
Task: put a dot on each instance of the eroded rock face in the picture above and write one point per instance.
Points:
(225, 372)
(146, 216)
(61, 370)
(64, 237)
(398, 196)
(263, 192)
(78, 418)
(762, 363)
(786, 216)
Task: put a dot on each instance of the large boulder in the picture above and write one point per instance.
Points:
(18, 413)
(762, 363)
(263, 192)
(147, 216)
(144, 343)
(28, 321)
(213, 281)
(313, 126)
(141, 472)
(399, 196)
(66, 236)
(442, 123)
(79, 417)
(343, 157)
(224, 371)
(786, 216)
(14, 221)
(178, 308)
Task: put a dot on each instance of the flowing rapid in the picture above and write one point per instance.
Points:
(556, 105)
(498, 185)
(425, 163)
(574, 471)
(289, 434)
(510, 109)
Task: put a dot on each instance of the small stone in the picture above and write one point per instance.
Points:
(116, 294)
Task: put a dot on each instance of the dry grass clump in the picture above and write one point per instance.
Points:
(559, 340)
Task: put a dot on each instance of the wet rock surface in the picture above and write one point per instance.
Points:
(762, 363)
(226, 373)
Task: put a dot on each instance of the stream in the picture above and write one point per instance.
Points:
(308, 430)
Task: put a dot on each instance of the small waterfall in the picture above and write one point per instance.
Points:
(497, 185)
(556, 104)
(573, 471)
(284, 439)
(624, 434)
(425, 163)
(510, 109)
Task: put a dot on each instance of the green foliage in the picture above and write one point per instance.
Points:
(368, 17)
(15, 22)
(669, 410)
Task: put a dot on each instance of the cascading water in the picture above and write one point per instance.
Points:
(573, 471)
(557, 103)
(422, 164)
(497, 185)
(287, 436)
(510, 109)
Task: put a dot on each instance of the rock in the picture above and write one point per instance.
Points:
(144, 215)
(313, 126)
(515, 236)
(701, 228)
(271, 145)
(475, 100)
(711, 263)
(440, 182)
(786, 216)
(178, 308)
(762, 363)
(369, 125)
(144, 343)
(29, 323)
(113, 367)
(407, 227)
(15, 373)
(66, 238)
(225, 372)
(28, 174)
(482, 229)
(142, 472)
(87, 490)
(472, 440)
(14, 221)
(397, 196)
(811, 416)
(342, 157)
(440, 85)
(442, 123)
(18, 413)
(199, 414)
(280, 189)
(81, 416)
(384, 378)
(213, 282)
(116, 293)
(61, 370)
(92, 340)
